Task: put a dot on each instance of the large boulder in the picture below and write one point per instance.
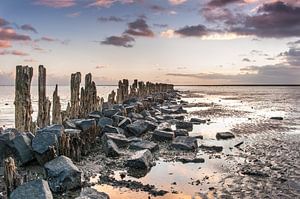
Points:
(185, 143)
(44, 146)
(22, 147)
(110, 112)
(37, 189)
(119, 139)
(56, 129)
(162, 136)
(111, 129)
(144, 144)
(110, 148)
(62, 174)
(181, 132)
(224, 135)
(184, 125)
(90, 193)
(140, 160)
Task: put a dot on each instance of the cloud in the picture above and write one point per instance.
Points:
(5, 44)
(30, 60)
(160, 25)
(193, 31)
(292, 56)
(13, 52)
(139, 28)
(157, 8)
(177, 2)
(74, 14)
(124, 41)
(48, 39)
(100, 67)
(10, 34)
(108, 3)
(276, 19)
(3, 22)
(110, 19)
(56, 3)
(220, 3)
(28, 27)
(246, 60)
(169, 33)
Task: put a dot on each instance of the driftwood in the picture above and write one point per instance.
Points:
(43, 119)
(23, 107)
(75, 100)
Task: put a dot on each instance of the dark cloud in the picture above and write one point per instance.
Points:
(157, 8)
(276, 19)
(220, 3)
(292, 56)
(160, 25)
(3, 22)
(10, 34)
(124, 40)
(110, 19)
(246, 60)
(193, 31)
(28, 27)
(139, 28)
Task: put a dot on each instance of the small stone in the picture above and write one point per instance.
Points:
(144, 144)
(224, 135)
(141, 160)
(163, 136)
(184, 143)
(184, 125)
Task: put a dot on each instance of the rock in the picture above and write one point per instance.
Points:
(138, 127)
(103, 121)
(119, 139)
(136, 116)
(22, 146)
(173, 110)
(130, 109)
(110, 129)
(110, 112)
(197, 121)
(110, 148)
(56, 129)
(126, 121)
(140, 160)
(145, 113)
(256, 173)
(95, 115)
(212, 148)
(181, 132)
(224, 135)
(69, 124)
(159, 117)
(151, 119)
(62, 174)
(276, 118)
(144, 144)
(184, 125)
(90, 193)
(190, 160)
(37, 189)
(42, 145)
(184, 143)
(164, 126)
(163, 136)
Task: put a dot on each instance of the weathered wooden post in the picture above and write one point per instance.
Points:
(56, 108)
(75, 100)
(44, 103)
(10, 175)
(23, 107)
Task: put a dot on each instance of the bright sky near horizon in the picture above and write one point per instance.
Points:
(174, 41)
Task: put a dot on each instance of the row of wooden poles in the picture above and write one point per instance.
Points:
(83, 99)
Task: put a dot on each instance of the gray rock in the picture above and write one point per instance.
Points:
(276, 118)
(90, 193)
(184, 125)
(151, 119)
(145, 113)
(69, 124)
(181, 132)
(197, 121)
(140, 160)
(211, 148)
(111, 129)
(110, 112)
(86, 124)
(144, 144)
(136, 116)
(164, 126)
(159, 117)
(110, 148)
(130, 109)
(184, 143)
(56, 129)
(103, 121)
(124, 122)
(173, 110)
(37, 189)
(41, 145)
(224, 135)
(22, 146)
(162, 136)
(119, 139)
(190, 160)
(138, 127)
(62, 174)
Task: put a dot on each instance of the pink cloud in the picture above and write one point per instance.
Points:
(177, 2)
(56, 3)
(10, 34)
(108, 3)
(13, 52)
(5, 44)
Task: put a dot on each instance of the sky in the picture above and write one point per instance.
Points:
(172, 41)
